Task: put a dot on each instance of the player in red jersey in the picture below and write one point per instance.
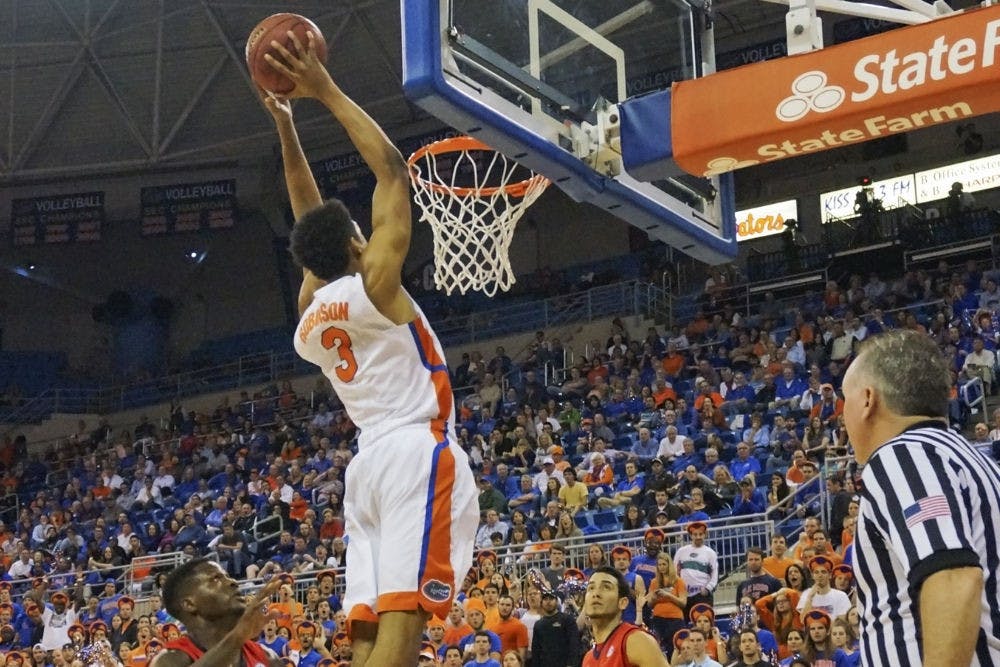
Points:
(617, 643)
(222, 625)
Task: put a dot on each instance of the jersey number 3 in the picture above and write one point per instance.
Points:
(339, 340)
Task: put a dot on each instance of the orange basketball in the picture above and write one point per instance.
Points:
(275, 29)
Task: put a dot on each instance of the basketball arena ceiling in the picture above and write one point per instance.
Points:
(116, 86)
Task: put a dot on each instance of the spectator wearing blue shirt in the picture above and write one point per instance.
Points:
(482, 650)
(109, 601)
(190, 533)
(741, 397)
(486, 424)
(807, 494)
(526, 499)
(758, 435)
(670, 419)
(646, 448)
(308, 655)
(503, 482)
(187, 486)
(634, 405)
(878, 322)
(475, 615)
(617, 408)
(214, 519)
(30, 627)
(788, 389)
(688, 458)
(743, 464)
(320, 462)
(272, 640)
(711, 463)
(644, 564)
(750, 500)
(628, 490)
(686, 414)
(691, 515)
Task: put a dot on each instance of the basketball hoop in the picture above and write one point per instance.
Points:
(472, 206)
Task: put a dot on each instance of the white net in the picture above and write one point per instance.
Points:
(468, 194)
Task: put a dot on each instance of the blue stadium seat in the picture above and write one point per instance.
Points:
(140, 519)
(218, 482)
(606, 520)
(791, 528)
(622, 443)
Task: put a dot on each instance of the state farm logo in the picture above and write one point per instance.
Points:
(721, 165)
(810, 92)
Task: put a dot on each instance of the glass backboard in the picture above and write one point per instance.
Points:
(538, 80)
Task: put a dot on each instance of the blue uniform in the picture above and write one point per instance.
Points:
(645, 567)
(310, 659)
(628, 615)
(279, 645)
(467, 640)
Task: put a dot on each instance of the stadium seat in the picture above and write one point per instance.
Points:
(791, 528)
(218, 482)
(622, 443)
(606, 521)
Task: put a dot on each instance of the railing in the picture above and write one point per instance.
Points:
(729, 537)
(626, 298)
(242, 372)
(136, 578)
(139, 576)
(973, 395)
(272, 524)
(59, 476)
(619, 299)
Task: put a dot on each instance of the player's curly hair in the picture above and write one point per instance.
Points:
(320, 240)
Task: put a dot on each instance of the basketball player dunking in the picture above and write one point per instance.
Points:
(617, 643)
(410, 502)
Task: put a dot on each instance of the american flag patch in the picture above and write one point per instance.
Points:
(926, 509)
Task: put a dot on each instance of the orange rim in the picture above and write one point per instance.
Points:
(457, 145)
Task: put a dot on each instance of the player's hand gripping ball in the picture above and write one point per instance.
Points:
(275, 28)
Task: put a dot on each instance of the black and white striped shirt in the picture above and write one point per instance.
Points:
(930, 502)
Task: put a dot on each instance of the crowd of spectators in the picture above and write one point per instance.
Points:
(729, 416)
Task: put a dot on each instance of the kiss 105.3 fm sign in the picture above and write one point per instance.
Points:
(893, 192)
(765, 220)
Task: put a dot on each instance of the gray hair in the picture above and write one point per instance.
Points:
(909, 372)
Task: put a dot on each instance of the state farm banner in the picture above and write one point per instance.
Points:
(901, 80)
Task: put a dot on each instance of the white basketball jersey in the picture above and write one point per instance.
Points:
(387, 375)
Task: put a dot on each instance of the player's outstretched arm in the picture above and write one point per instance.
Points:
(382, 262)
(302, 190)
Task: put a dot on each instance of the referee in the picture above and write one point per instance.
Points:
(927, 536)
